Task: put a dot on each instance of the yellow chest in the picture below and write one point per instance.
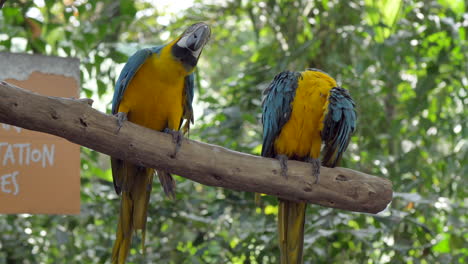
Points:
(300, 136)
(155, 96)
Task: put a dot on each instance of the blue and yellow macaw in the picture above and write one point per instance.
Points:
(155, 89)
(300, 111)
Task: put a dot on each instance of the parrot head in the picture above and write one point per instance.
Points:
(189, 46)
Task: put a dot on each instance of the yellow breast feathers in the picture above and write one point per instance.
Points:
(300, 136)
(154, 98)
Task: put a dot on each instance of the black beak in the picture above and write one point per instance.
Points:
(198, 37)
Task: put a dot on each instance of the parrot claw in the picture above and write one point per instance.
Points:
(177, 137)
(121, 118)
(315, 168)
(283, 159)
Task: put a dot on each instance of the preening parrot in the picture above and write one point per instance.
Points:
(302, 110)
(155, 89)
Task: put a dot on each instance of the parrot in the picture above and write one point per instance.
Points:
(155, 89)
(300, 112)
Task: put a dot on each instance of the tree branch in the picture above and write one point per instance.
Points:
(208, 164)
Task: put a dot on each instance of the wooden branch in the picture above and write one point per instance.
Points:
(208, 164)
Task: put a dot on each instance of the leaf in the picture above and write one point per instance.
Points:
(443, 246)
(457, 6)
(118, 57)
(102, 87)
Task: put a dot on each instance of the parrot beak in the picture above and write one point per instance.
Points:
(190, 45)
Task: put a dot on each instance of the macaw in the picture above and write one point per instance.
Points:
(300, 111)
(155, 89)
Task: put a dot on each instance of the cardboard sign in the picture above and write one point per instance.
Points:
(39, 173)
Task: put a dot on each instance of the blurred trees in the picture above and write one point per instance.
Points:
(404, 61)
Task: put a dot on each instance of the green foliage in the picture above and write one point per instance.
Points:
(405, 63)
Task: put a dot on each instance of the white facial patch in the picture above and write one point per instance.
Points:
(183, 42)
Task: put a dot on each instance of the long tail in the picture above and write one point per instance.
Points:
(133, 209)
(291, 217)
(168, 183)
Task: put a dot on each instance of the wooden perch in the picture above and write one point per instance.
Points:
(208, 164)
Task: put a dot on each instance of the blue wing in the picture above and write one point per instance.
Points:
(127, 73)
(189, 88)
(277, 108)
(339, 124)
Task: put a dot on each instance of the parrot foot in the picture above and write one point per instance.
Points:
(177, 137)
(315, 168)
(121, 118)
(283, 159)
